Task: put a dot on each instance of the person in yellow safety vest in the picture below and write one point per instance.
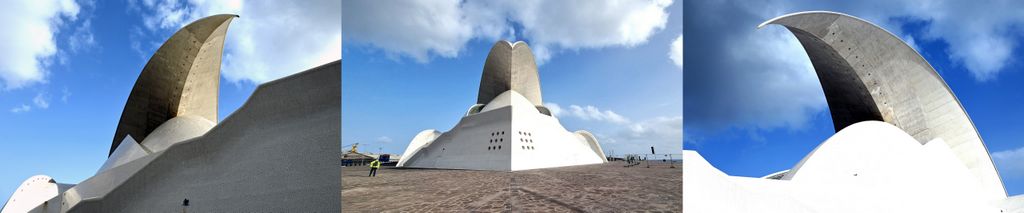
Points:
(373, 168)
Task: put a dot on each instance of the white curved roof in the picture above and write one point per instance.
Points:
(509, 98)
(870, 166)
(33, 192)
(176, 130)
(127, 151)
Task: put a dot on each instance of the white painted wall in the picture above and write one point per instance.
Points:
(33, 192)
(508, 134)
(869, 166)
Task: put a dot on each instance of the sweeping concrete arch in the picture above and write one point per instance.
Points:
(867, 73)
(510, 66)
(182, 78)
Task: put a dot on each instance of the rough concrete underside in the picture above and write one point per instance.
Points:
(182, 78)
(276, 153)
(510, 67)
(608, 187)
(868, 73)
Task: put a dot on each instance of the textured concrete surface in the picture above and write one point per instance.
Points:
(510, 66)
(608, 187)
(181, 78)
(127, 151)
(176, 130)
(868, 73)
(276, 153)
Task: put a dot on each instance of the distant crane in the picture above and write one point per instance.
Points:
(354, 146)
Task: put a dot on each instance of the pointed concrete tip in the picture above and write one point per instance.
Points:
(773, 20)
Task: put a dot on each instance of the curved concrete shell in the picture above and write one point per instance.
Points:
(182, 78)
(176, 130)
(128, 151)
(510, 66)
(870, 166)
(35, 192)
(868, 73)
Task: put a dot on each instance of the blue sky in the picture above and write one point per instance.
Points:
(68, 67)
(416, 65)
(771, 111)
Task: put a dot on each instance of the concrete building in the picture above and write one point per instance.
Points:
(508, 128)
(903, 143)
(353, 157)
(276, 153)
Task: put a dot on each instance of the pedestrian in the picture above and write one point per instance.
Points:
(373, 168)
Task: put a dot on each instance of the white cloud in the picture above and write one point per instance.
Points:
(784, 91)
(764, 79)
(65, 94)
(420, 28)
(554, 108)
(28, 38)
(911, 42)
(593, 113)
(415, 28)
(270, 40)
(676, 51)
(656, 127)
(981, 35)
(664, 133)
(587, 113)
(82, 38)
(41, 101)
(384, 139)
(1010, 162)
(20, 109)
(135, 41)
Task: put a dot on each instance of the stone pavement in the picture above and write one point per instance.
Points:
(608, 187)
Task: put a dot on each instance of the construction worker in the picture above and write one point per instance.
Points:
(373, 167)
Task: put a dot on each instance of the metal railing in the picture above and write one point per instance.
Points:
(650, 160)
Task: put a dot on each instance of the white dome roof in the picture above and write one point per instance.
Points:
(176, 130)
(32, 193)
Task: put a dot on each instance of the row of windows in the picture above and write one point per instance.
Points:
(497, 133)
(494, 147)
(493, 140)
(527, 147)
(528, 140)
(525, 133)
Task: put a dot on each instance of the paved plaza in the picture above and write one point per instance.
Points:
(589, 188)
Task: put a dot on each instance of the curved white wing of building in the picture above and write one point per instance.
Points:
(870, 166)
